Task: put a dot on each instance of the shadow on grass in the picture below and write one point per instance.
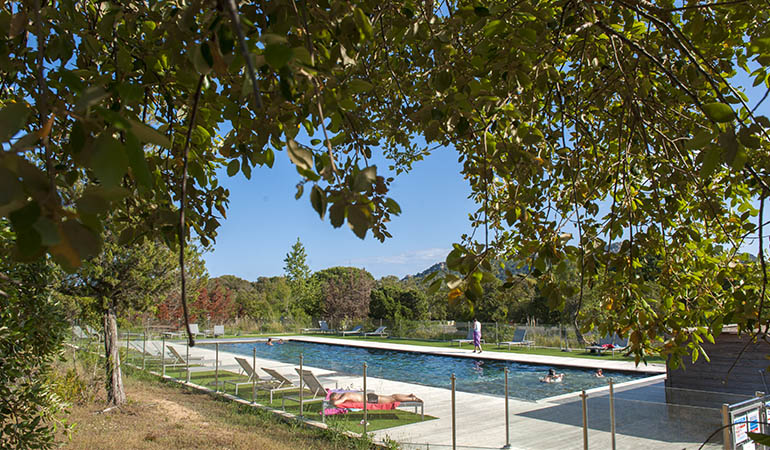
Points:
(352, 421)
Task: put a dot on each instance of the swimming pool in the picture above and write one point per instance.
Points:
(473, 375)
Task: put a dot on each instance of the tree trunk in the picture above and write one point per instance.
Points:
(116, 395)
(580, 338)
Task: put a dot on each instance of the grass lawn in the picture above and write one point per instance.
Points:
(491, 347)
(163, 415)
(378, 420)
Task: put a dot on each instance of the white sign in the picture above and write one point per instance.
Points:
(753, 418)
(749, 446)
(740, 429)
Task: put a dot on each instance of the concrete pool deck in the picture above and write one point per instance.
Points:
(644, 420)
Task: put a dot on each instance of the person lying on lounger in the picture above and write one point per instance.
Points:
(552, 377)
(339, 398)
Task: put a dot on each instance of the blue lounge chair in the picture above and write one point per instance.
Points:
(355, 330)
(378, 332)
(518, 339)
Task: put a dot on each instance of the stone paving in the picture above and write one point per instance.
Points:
(643, 419)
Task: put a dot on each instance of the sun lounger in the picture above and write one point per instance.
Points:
(612, 344)
(355, 330)
(93, 333)
(518, 339)
(253, 377)
(468, 339)
(278, 383)
(327, 408)
(193, 364)
(378, 332)
(219, 330)
(317, 390)
(79, 333)
(324, 328)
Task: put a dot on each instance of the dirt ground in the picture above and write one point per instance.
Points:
(159, 416)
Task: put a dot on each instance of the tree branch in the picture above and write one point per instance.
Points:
(311, 50)
(182, 239)
(233, 10)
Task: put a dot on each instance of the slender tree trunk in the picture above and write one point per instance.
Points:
(116, 395)
(580, 338)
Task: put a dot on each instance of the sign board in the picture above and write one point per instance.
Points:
(740, 427)
(753, 419)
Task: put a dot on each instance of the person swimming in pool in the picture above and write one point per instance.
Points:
(338, 398)
(552, 377)
(269, 341)
(599, 373)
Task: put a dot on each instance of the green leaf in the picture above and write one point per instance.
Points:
(226, 40)
(711, 156)
(24, 217)
(206, 53)
(28, 242)
(719, 112)
(299, 155)
(278, 55)
(337, 214)
(481, 11)
(138, 163)
(442, 80)
(92, 203)
(358, 86)
(233, 167)
(358, 220)
(12, 119)
(148, 134)
(365, 178)
(318, 200)
(81, 239)
(759, 438)
(300, 191)
(10, 187)
(393, 206)
(454, 259)
(90, 96)
(49, 234)
(109, 161)
(363, 23)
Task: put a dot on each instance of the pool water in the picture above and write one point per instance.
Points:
(472, 375)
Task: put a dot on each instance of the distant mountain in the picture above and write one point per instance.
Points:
(438, 267)
(442, 269)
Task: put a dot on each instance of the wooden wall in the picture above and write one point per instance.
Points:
(745, 378)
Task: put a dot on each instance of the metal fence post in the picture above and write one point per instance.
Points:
(163, 357)
(301, 383)
(454, 433)
(254, 376)
(216, 368)
(365, 399)
(612, 413)
(507, 417)
(144, 347)
(726, 427)
(128, 335)
(583, 396)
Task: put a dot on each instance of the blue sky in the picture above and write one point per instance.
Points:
(264, 221)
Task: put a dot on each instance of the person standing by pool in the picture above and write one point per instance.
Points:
(476, 335)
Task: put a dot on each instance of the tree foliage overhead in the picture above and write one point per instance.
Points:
(618, 118)
(615, 118)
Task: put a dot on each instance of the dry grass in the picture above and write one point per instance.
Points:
(164, 416)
